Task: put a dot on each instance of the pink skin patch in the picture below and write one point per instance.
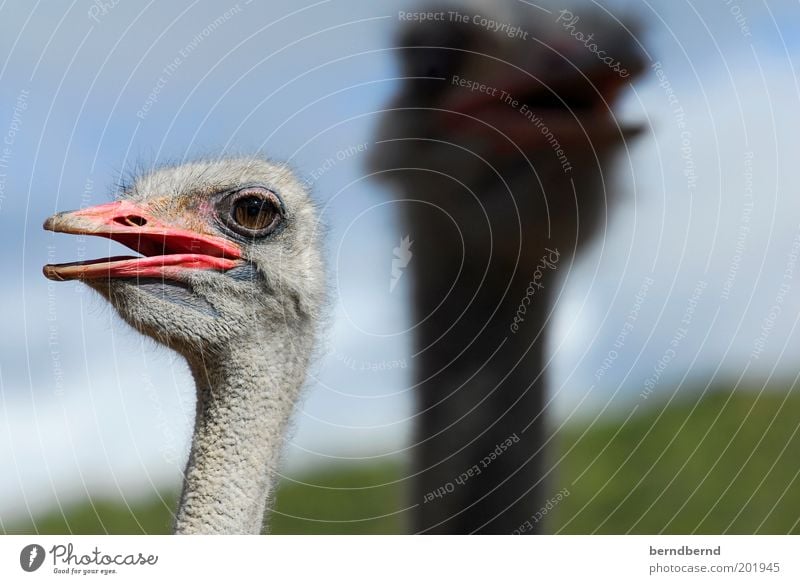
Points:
(169, 251)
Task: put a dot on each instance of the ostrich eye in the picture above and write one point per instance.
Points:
(253, 212)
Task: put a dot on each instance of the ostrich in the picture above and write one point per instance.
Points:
(498, 146)
(231, 279)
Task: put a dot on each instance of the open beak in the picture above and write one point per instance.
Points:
(551, 107)
(168, 250)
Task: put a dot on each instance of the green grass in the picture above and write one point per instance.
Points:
(361, 499)
(93, 517)
(358, 500)
(726, 463)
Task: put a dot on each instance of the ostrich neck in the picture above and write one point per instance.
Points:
(244, 401)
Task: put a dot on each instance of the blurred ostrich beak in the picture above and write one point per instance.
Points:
(168, 251)
(564, 101)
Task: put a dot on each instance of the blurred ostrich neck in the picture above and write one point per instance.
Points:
(244, 401)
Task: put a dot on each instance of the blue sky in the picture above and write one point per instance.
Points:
(88, 406)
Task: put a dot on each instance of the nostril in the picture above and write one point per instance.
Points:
(131, 221)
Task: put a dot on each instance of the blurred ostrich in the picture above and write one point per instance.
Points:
(499, 142)
(231, 279)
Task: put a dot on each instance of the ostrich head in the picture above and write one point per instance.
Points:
(505, 119)
(469, 83)
(230, 277)
(229, 248)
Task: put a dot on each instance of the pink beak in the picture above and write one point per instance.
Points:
(168, 250)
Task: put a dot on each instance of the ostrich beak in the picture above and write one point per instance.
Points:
(169, 250)
(524, 108)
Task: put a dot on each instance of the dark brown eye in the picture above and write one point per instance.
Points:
(254, 212)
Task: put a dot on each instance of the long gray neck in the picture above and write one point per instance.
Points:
(244, 401)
